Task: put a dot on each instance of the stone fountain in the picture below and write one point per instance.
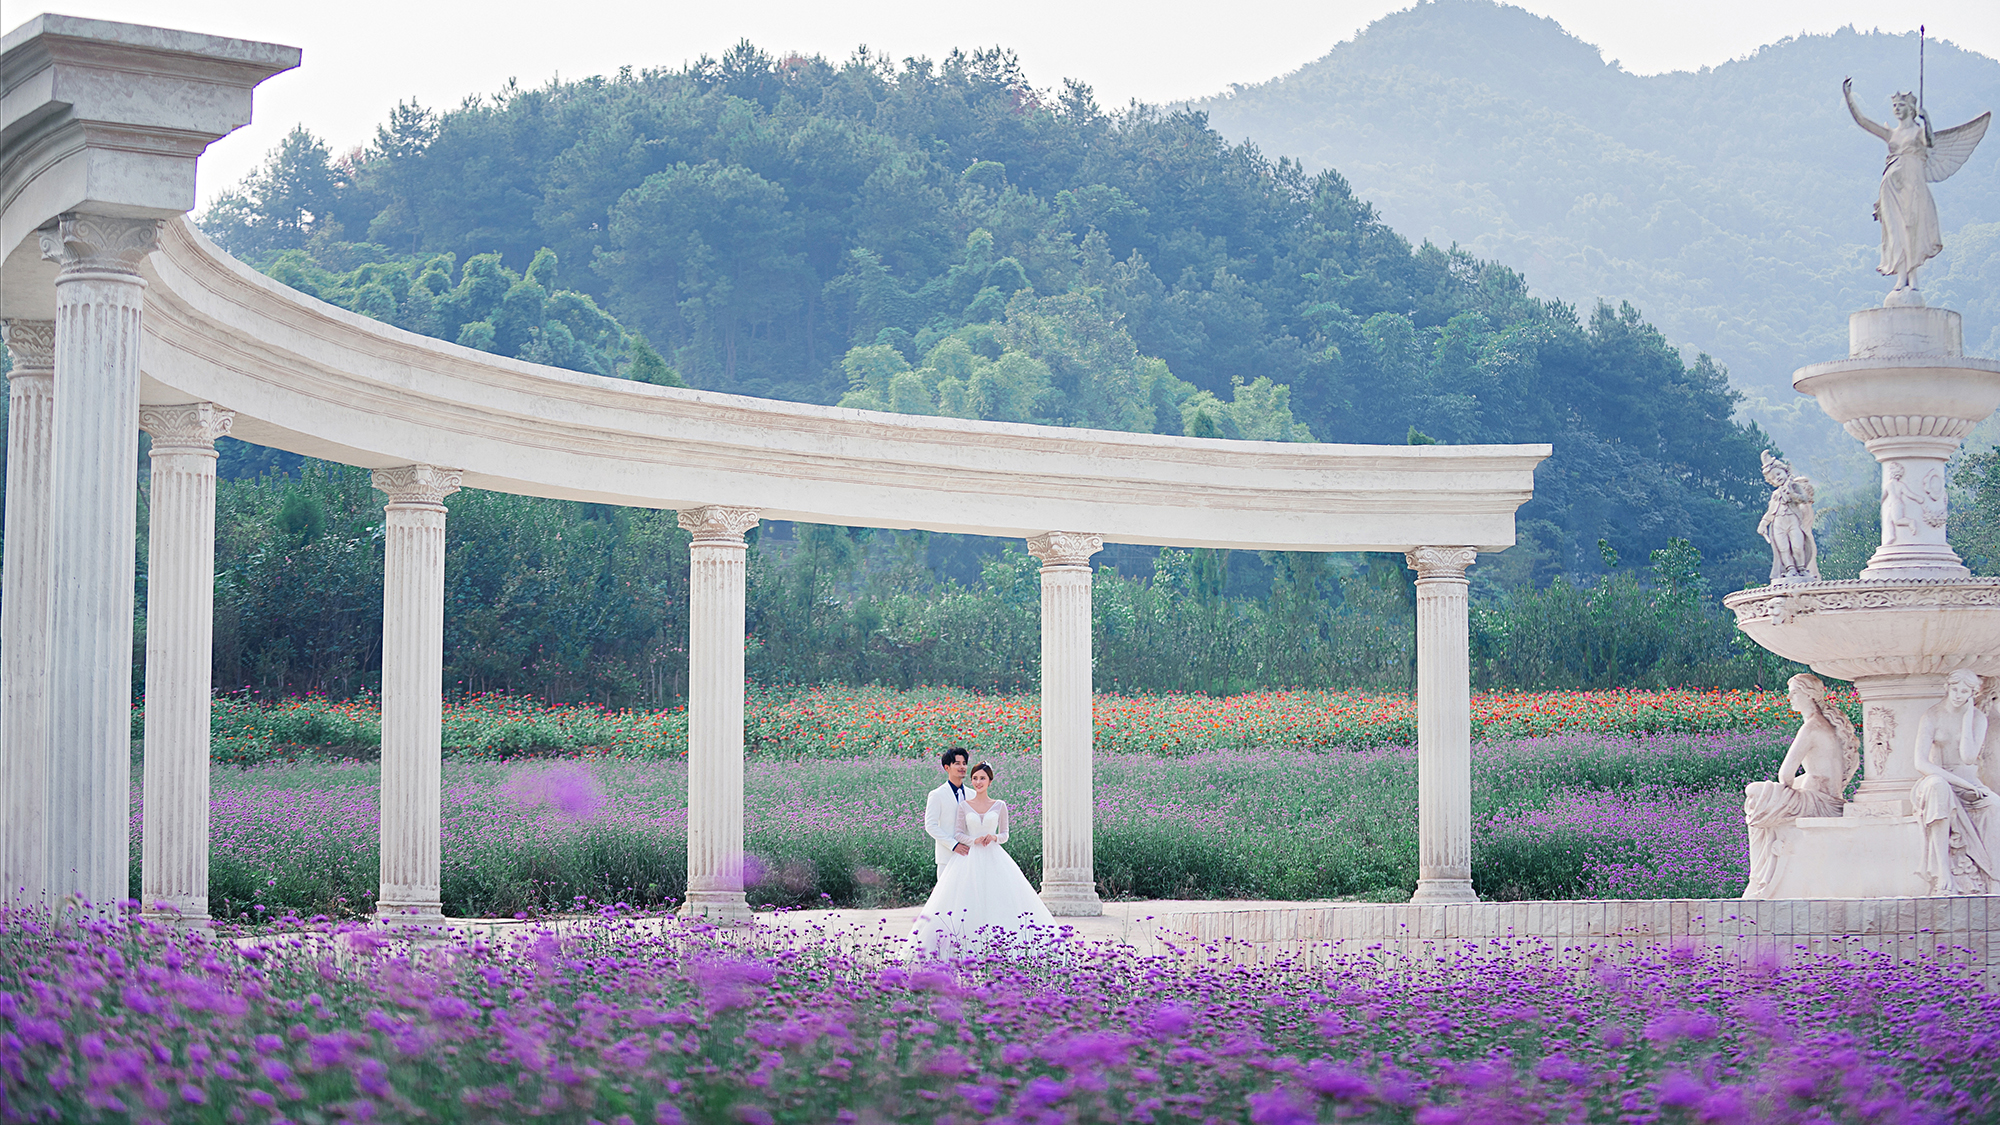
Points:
(1918, 822)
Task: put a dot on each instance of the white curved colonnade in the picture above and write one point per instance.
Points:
(119, 316)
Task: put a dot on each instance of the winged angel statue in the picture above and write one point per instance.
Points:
(1917, 158)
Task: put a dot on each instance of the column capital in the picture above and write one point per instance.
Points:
(717, 522)
(1065, 548)
(81, 241)
(1440, 562)
(188, 427)
(417, 485)
(31, 346)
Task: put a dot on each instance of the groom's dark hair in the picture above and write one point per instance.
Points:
(956, 753)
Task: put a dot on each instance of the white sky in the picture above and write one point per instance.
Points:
(362, 56)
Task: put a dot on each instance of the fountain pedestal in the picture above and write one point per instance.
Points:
(1914, 616)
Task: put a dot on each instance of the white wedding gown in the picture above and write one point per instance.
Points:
(981, 899)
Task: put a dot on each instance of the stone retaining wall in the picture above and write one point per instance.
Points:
(1958, 929)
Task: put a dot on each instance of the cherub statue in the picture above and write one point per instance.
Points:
(1788, 524)
(1812, 780)
(1959, 811)
(1917, 159)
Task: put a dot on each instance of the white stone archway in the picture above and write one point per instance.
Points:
(120, 314)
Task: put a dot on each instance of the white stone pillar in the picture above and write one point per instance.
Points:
(1069, 879)
(412, 689)
(93, 509)
(180, 633)
(1444, 726)
(715, 712)
(24, 616)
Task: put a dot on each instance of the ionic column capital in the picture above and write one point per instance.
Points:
(83, 242)
(31, 346)
(719, 524)
(1064, 548)
(1440, 562)
(190, 427)
(417, 486)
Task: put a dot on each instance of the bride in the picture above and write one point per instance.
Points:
(983, 890)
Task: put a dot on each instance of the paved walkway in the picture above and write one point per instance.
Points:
(1250, 930)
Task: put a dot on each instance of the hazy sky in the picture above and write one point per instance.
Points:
(361, 56)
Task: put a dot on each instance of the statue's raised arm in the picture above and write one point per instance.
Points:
(1918, 158)
(1860, 118)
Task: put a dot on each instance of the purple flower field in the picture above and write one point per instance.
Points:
(1560, 817)
(623, 1019)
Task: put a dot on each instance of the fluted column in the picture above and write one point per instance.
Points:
(24, 615)
(412, 688)
(93, 508)
(1069, 879)
(1444, 726)
(180, 620)
(715, 712)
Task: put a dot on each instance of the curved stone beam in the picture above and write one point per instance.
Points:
(307, 377)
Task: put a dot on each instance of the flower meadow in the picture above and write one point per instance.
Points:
(853, 722)
(1565, 816)
(624, 1019)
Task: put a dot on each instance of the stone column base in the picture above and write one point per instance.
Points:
(721, 907)
(1072, 900)
(167, 912)
(1443, 890)
(409, 913)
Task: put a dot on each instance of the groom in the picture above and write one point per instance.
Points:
(941, 809)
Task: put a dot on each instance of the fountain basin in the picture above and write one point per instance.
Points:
(1877, 627)
(1928, 396)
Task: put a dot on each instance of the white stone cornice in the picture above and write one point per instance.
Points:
(189, 427)
(81, 242)
(716, 523)
(321, 381)
(1440, 562)
(31, 346)
(111, 118)
(1065, 548)
(417, 485)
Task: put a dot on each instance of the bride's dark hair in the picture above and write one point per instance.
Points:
(982, 766)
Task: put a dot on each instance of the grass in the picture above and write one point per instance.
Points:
(1561, 817)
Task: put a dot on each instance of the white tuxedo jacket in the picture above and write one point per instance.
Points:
(941, 822)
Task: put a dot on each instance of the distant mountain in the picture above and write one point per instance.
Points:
(1732, 204)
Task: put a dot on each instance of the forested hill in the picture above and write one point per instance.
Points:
(947, 238)
(1732, 204)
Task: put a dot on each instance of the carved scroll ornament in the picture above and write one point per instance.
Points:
(1065, 548)
(192, 426)
(31, 345)
(100, 242)
(1440, 562)
(717, 523)
(417, 484)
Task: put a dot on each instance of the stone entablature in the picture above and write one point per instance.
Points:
(321, 381)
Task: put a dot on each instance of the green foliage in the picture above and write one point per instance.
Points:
(1216, 825)
(1618, 631)
(554, 598)
(489, 307)
(1975, 511)
(1732, 203)
(761, 221)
